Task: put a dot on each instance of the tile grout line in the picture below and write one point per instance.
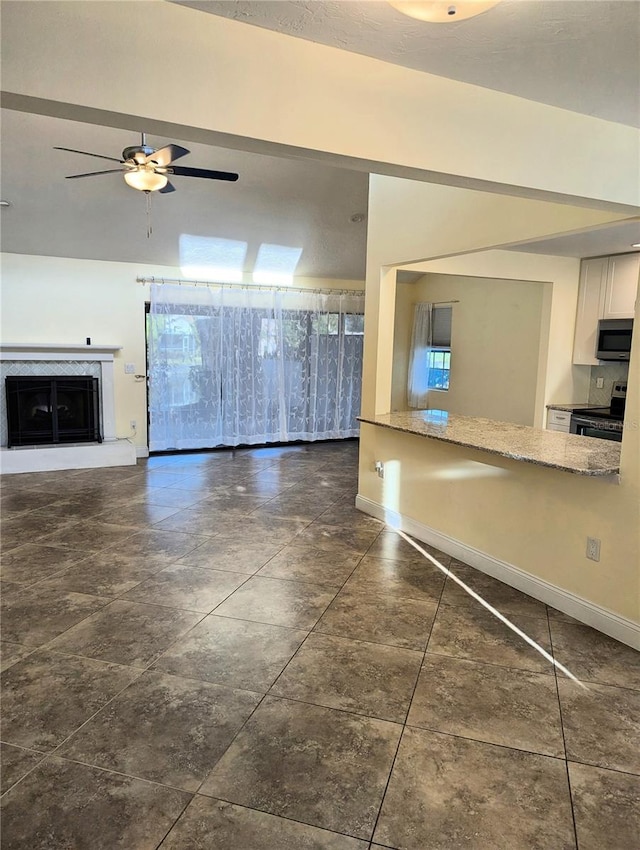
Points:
(282, 817)
(564, 740)
(311, 630)
(31, 769)
(404, 724)
(142, 670)
(601, 767)
(149, 668)
(184, 809)
(253, 712)
(53, 752)
(491, 664)
(230, 744)
(257, 706)
(111, 771)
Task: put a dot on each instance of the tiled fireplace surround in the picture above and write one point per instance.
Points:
(60, 359)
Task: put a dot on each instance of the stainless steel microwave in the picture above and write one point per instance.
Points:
(614, 339)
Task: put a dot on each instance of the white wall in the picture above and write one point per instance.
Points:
(559, 381)
(226, 88)
(495, 343)
(55, 300)
(442, 229)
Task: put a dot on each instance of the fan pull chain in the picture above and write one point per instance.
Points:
(149, 227)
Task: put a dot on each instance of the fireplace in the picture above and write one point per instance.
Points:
(94, 365)
(50, 410)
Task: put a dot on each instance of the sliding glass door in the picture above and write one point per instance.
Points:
(231, 366)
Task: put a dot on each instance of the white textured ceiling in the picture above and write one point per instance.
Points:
(582, 55)
(290, 203)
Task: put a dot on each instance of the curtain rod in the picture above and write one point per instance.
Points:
(179, 281)
(456, 301)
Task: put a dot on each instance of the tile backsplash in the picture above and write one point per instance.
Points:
(611, 373)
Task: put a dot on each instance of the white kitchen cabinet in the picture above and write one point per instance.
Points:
(558, 420)
(621, 287)
(593, 281)
(608, 289)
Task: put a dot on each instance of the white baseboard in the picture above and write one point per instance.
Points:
(142, 451)
(626, 631)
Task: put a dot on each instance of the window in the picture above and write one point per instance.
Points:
(326, 324)
(439, 365)
(332, 324)
(354, 324)
(293, 333)
(439, 354)
(268, 341)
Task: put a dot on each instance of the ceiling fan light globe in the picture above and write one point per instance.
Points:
(145, 180)
(442, 11)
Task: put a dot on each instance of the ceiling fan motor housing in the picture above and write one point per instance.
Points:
(138, 153)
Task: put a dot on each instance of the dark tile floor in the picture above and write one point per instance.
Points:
(218, 651)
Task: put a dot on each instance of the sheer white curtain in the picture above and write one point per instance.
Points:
(421, 342)
(231, 366)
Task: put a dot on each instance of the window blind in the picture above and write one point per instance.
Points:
(441, 327)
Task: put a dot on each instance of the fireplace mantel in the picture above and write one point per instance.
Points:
(55, 350)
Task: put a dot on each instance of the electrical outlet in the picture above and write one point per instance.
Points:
(129, 368)
(599, 383)
(593, 548)
(133, 424)
(380, 468)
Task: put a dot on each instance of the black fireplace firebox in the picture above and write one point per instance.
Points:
(51, 410)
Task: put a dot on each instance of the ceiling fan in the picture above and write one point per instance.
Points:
(148, 170)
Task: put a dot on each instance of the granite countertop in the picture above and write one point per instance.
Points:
(569, 452)
(571, 407)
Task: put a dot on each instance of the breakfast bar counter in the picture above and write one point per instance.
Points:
(568, 452)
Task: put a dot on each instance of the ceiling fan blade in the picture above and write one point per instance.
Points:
(93, 173)
(167, 155)
(86, 153)
(203, 172)
(168, 188)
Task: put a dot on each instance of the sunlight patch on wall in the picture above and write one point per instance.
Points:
(212, 258)
(276, 264)
(391, 490)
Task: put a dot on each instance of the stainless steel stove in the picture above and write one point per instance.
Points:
(605, 423)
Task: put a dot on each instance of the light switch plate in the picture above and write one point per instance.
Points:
(129, 368)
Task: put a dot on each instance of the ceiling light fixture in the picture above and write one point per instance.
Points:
(442, 11)
(636, 245)
(145, 178)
